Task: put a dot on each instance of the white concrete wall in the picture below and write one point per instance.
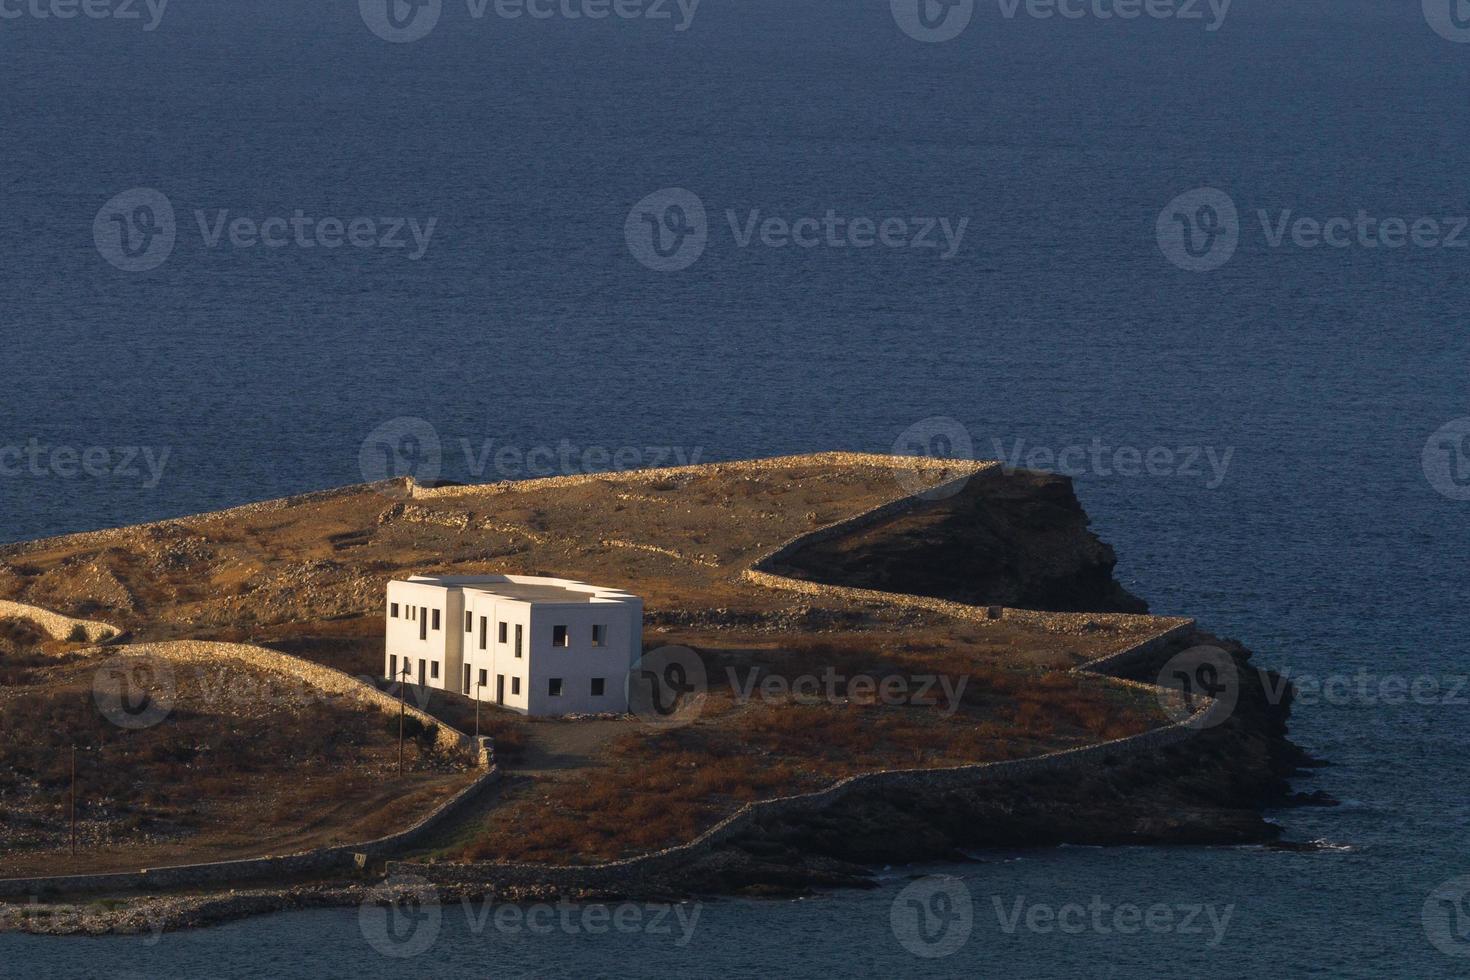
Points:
(498, 659)
(420, 644)
(577, 664)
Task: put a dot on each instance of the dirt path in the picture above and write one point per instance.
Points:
(556, 746)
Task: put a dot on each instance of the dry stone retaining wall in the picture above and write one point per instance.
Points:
(391, 488)
(627, 874)
(57, 626)
(326, 679)
(341, 858)
(836, 459)
(204, 653)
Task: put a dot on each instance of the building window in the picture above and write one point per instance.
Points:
(515, 685)
(553, 687)
(393, 666)
(599, 685)
(518, 639)
(484, 678)
(434, 669)
(393, 609)
(502, 632)
(484, 630)
(599, 636)
(436, 619)
(559, 636)
(469, 622)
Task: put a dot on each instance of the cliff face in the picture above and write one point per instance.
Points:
(1017, 539)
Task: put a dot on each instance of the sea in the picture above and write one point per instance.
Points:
(1209, 259)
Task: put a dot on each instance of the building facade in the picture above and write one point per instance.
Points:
(539, 646)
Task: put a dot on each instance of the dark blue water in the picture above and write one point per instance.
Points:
(1058, 321)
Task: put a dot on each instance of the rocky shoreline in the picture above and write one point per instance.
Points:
(1208, 790)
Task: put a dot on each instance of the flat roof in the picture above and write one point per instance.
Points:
(525, 588)
(535, 593)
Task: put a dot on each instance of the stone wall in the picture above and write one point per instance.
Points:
(57, 626)
(203, 653)
(392, 488)
(966, 467)
(626, 875)
(327, 859)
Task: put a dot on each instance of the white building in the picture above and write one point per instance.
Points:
(540, 646)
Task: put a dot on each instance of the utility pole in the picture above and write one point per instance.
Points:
(73, 800)
(478, 686)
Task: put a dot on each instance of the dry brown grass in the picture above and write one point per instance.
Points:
(653, 788)
(219, 776)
